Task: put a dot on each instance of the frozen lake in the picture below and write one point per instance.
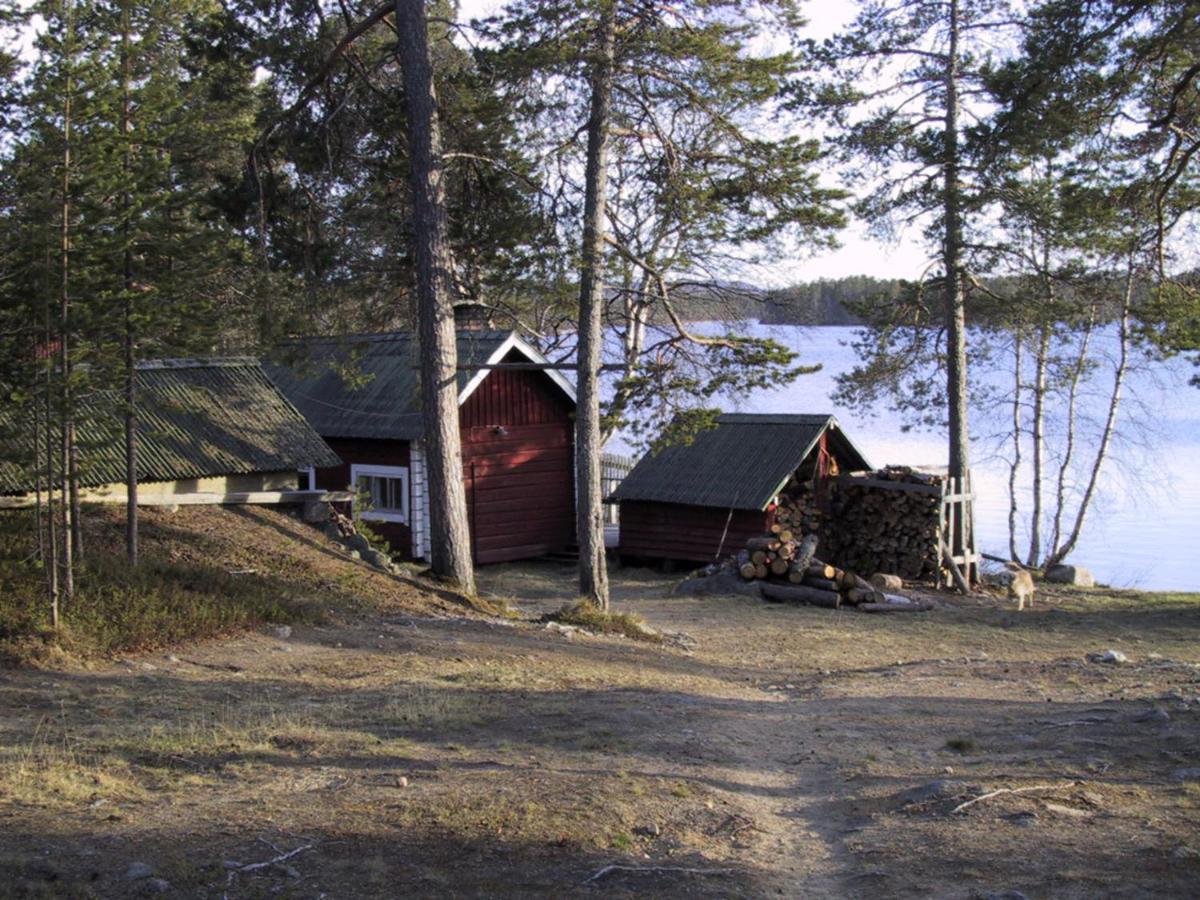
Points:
(1144, 527)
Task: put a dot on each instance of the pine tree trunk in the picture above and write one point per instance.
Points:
(955, 311)
(51, 526)
(76, 514)
(593, 571)
(450, 536)
(131, 443)
(64, 325)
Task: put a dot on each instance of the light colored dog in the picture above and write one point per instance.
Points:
(1021, 586)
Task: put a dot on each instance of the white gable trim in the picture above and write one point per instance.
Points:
(514, 342)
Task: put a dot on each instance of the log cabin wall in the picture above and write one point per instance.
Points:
(518, 463)
(686, 533)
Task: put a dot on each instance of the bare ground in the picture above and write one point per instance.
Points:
(799, 752)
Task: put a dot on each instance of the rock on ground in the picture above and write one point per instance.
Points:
(138, 871)
(721, 584)
(1075, 575)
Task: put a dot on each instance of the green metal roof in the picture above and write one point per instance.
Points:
(740, 464)
(198, 418)
(368, 386)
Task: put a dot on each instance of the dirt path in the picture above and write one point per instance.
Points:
(795, 752)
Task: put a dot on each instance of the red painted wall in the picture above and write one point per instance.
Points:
(518, 435)
(520, 483)
(692, 533)
(370, 452)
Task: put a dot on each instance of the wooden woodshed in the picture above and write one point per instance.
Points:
(361, 393)
(700, 501)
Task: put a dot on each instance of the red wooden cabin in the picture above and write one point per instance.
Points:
(361, 394)
(698, 502)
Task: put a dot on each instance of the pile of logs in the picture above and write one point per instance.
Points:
(798, 511)
(789, 570)
(887, 530)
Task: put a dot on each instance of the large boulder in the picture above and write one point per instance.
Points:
(1076, 575)
(315, 511)
(378, 559)
(357, 543)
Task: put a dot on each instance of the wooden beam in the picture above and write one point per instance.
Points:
(948, 558)
(258, 498)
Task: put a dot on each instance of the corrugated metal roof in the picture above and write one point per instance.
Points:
(367, 386)
(740, 464)
(197, 419)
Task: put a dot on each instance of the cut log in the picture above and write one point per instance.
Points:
(760, 543)
(806, 551)
(850, 581)
(758, 557)
(760, 571)
(820, 570)
(779, 566)
(859, 596)
(884, 582)
(747, 571)
(798, 593)
(895, 607)
(948, 559)
(824, 584)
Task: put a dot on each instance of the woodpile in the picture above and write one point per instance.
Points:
(798, 511)
(789, 570)
(887, 523)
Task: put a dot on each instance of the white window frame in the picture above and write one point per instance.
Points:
(399, 472)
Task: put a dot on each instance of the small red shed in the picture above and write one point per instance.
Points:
(700, 501)
(361, 393)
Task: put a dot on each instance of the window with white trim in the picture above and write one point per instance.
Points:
(384, 490)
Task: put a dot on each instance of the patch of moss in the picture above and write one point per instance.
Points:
(584, 614)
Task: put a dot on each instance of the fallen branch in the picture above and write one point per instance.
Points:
(1090, 720)
(255, 867)
(990, 794)
(650, 870)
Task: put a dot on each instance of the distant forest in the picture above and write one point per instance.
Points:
(823, 302)
(837, 301)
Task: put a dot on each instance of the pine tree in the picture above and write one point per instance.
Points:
(689, 177)
(897, 82)
(132, 130)
(450, 535)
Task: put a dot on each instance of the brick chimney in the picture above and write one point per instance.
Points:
(471, 316)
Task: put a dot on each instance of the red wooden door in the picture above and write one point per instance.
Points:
(520, 490)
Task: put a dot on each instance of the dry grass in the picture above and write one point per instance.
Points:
(205, 572)
(428, 757)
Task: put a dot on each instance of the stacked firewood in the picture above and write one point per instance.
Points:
(881, 530)
(797, 510)
(789, 570)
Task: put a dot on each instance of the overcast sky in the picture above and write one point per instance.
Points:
(859, 254)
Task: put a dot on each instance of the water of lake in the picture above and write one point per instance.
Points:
(1144, 527)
